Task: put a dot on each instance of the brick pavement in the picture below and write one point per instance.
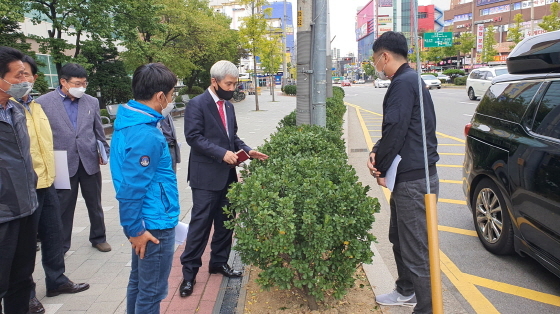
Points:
(107, 273)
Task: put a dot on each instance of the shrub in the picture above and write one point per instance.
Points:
(104, 112)
(460, 80)
(290, 89)
(443, 81)
(302, 216)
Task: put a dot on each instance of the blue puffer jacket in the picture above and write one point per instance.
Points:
(144, 180)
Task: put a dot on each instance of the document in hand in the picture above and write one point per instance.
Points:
(101, 151)
(242, 156)
(392, 173)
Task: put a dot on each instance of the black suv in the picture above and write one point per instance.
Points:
(511, 172)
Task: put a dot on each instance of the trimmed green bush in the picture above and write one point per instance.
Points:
(443, 81)
(302, 216)
(290, 89)
(460, 80)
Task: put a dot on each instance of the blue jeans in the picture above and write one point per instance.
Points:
(147, 285)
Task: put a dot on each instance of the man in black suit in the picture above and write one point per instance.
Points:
(211, 132)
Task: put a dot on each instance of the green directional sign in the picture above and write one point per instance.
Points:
(441, 39)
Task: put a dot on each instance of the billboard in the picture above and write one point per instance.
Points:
(386, 3)
(485, 2)
(479, 37)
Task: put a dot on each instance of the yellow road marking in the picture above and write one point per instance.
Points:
(452, 154)
(439, 144)
(451, 181)
(450, 166)
(449, 201)
(457, 230)
(451, 137)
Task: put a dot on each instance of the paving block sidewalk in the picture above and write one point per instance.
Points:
(107, 273)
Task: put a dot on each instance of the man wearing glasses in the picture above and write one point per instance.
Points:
(76, 126)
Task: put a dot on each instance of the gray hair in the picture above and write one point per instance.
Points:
(223, 68)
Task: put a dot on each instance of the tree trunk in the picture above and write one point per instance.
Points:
(256, 82)
(78, 46)
(311, 301)
(272, 85)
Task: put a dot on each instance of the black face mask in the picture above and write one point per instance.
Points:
(223, 94)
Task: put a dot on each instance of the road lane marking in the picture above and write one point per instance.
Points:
(451, 181)
(471, 233)
(450, 166)
(452, 154)
(439, 144)
(451, 137)
(450, 201)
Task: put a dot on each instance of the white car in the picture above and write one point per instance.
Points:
(381, 83)
(480, 80)
(431, 81)
(442, 76)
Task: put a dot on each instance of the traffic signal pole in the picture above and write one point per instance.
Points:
(319, 88)
(304, 67)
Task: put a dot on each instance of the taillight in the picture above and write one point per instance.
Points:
(467, 129)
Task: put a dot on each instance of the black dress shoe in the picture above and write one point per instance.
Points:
(35, 307)
(226, 271)
(186, 288)
(68, 287)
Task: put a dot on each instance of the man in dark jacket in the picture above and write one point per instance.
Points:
(402, 136)
(18, 199)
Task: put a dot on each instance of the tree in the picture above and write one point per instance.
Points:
(466, 43)
(253, 34)
(271, 58)
(368, 68)
(551, 22)
(11, 36)
(488, 50)
(70, 17)
(515, 33)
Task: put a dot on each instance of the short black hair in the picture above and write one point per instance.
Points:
(32, 63)
(393, 42)
(152, 78)
(7, 56)
(70, 70)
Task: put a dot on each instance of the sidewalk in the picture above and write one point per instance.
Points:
(107, 273)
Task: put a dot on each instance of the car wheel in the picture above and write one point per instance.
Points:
(472, 96)
(375, 86)
(491, 218)
(439, 87)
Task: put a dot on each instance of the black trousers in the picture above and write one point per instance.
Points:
(50, 233)
(18, 239)
(207, 211)
(90, 186)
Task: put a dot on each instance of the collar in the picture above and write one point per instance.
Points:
(59, 90)
(214, 96)
(400, 70)
(26, 103)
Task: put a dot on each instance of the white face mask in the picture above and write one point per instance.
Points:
(380, 74)
(167, 110)
(77, 92)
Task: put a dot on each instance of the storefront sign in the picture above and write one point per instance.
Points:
(386, 3)
(463, 25)
(462, 17)
(479, 37)
(485, 2)
(496, 19)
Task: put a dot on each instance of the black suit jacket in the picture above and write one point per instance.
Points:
(209, 142)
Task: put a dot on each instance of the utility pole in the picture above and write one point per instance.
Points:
(319, 96)
(329, 54)
(304, 67)
(284, 63)
(532, 17)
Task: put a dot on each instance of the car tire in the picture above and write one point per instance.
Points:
(472, 96)
(439, 87)
(375, 86)
(491, 218)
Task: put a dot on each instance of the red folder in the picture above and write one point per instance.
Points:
(242, 156)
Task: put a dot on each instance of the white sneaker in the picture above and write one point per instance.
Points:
(395, 298)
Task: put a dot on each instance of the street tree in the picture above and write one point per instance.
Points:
(515, 33)
(271, 58)
(488, 50)
(253, 34)
(466, 43)
(79, 20)
(551, 22)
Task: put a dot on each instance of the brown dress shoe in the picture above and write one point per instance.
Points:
(35, 306)
(102, 247)
(68, 287)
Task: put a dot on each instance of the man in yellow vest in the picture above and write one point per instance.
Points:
(49, 216)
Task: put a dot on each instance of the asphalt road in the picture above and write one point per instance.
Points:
(485, 283)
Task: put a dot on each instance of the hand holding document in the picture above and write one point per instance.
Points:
(102, 153)
(62, 176)
(241, 157)
(391, 175)
(181, 230)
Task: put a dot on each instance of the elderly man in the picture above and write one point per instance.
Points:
(211, 131)
(18, 200)
(76, 126)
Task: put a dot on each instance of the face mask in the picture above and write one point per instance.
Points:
(28, 90)
(224, 94)
(380, 74)
(77, 92)
(167, 110)
(18, 90)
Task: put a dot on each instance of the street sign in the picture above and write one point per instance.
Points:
(441, 39)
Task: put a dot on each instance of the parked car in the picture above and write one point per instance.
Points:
(442, 76)
(479, 80)
(360, 81)
(345, 83)
(378, 83)
(511, 171)
(431, 81)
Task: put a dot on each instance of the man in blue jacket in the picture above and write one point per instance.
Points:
(401, 134)
(146, 185)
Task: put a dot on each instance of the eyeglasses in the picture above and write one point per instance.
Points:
(79, 84)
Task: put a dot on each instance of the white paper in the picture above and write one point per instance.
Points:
(102, 152)
(391, 175)
(62, 178)
(181, 230)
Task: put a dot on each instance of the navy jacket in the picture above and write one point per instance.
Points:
(209, 141)
(402, 128)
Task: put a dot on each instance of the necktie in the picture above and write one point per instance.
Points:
(221, 111)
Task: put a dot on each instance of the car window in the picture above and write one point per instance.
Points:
(501, 72)
(489, 76)
(474, 74)
(429, 77)
(508, 101)
(547, 117)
